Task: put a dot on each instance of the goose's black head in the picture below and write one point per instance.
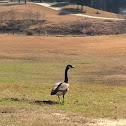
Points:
(69, 66)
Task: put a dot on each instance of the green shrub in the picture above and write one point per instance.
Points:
(29, 32)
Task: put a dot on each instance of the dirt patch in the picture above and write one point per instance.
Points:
(108, 122)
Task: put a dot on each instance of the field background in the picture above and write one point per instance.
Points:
(52, 16)
(31, 65)
(33, 19)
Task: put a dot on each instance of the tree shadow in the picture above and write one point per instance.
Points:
(12, 4)
(61, 4)
(66, 11)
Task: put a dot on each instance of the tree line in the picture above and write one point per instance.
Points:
(109, 5)
(106, 5)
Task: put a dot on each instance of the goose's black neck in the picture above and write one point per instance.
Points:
(66, 75)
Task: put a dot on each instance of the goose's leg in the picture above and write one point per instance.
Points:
(59, 98)
(63, 98)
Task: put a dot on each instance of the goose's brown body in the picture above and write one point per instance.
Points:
(61, 88)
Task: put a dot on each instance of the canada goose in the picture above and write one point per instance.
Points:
(61, 88)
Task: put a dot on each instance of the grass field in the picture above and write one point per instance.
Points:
(50, 15)
(21, 10)
(31, 65)
(35, 19)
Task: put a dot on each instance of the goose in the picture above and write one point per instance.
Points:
(61, 88)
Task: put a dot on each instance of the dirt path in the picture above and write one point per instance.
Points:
(79, 120)
(107, 122)
(87, 121)
(82, 15)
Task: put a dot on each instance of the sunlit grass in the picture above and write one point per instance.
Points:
(88, 100)
(24, 82)
(88, 70)
(97, 86)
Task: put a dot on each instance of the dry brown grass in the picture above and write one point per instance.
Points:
(102, 57)
(96, 46)
(87, 27)
(50, 15)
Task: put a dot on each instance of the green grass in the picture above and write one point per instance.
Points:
(90, 95)
(94, 101)
(88, 70)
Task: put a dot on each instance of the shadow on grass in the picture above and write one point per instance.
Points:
(66, 11)
(60, 4)
(13, 4)
(38, 102)
(49, 102)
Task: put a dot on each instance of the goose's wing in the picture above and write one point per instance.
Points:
(55, 88)
(61, 86)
